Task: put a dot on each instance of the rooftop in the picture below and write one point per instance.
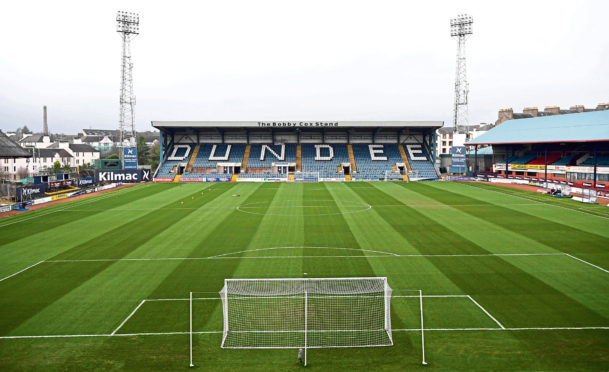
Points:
(11, 149)
(49, 153)
(580, 127)
(296, 124)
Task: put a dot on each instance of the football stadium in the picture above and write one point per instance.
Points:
(257, 245)
(392, 240)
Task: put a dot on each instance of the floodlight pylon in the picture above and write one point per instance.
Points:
(461, 28)
(128, 27)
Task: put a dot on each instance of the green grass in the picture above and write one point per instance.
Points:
(444, 238)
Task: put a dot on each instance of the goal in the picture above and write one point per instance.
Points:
(306, 313)
(306, 177)
(391, 176)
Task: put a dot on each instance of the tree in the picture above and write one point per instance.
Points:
(56, 167)
(86, 170)
(66, 167)
(4, 175)
(22, 173)
(113, 151)
(26, 130)
(155, 156)
(143, 152)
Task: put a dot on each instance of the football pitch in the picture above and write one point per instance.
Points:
(511, 280)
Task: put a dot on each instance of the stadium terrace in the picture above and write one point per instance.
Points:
(568, 151)
(259, 151)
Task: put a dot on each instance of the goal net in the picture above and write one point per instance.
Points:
(306, 177)
(306, 313)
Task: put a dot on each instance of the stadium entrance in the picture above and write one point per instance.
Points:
(347, 169)
(283, 151)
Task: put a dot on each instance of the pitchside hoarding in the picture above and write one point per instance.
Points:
(125, 175)
(130, 158)
(87, 181)
(30, 192)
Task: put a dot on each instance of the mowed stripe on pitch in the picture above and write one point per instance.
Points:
(83, 227)
(45, 219)
(37, 288)
(561, 237)
(233, 233)
(104, 301)
(514, 296)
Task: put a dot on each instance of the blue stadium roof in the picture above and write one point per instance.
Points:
(488, 150)
(581, 127)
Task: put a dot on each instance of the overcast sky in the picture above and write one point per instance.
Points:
(296, 60)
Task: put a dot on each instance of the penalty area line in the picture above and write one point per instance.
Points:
(587, 263)
(127, 318)
(218, 298)
(486, 312)
(393, 330)
(20, 271)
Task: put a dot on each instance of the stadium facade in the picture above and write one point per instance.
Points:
(258, 151)
(570, 150)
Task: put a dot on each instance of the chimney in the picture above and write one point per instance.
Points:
(533, 111)
(45, 127)
(504, 115)
(577, 108)
(553, 110)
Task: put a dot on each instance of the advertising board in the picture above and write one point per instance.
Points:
(130, 158)
(457, 154)
(87, 181)
(59, 197)
(30, 192)
(126, 175)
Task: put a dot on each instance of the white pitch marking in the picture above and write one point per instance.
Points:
(20, 271)
(483, 254)
(415, 205)
(95, 199)
(218, 298)
(126, 319)
(385, 255)
(393, 330)
(301, 247)
(503, 329)
(486, 312)
(538, 201)
(587, 263)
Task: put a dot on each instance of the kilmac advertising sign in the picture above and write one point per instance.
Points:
(127, 176)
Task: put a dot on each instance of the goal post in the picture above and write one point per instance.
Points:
(306, 177)
(306, 313)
